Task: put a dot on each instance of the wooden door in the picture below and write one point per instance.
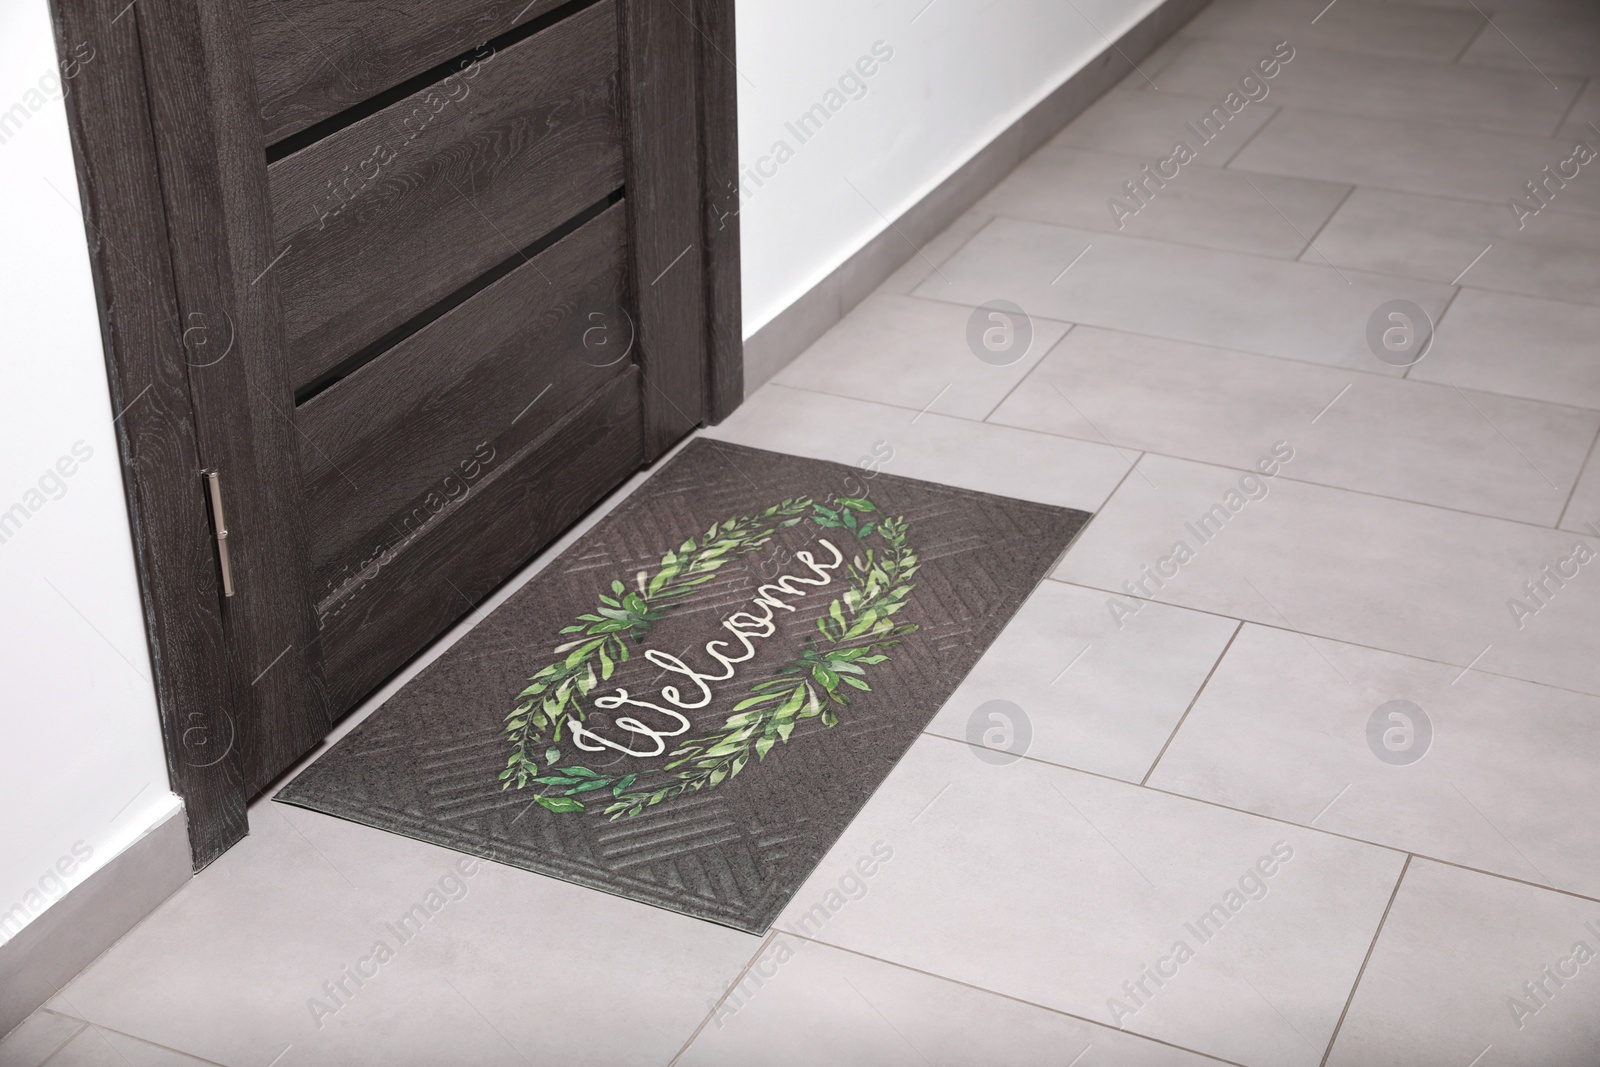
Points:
(420, 283)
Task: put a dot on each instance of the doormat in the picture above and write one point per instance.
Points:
(689, 705)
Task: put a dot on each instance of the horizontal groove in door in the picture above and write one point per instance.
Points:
(460, 66)
(315, 58)
(380, 621)
(387, 449)
(422, 319)
(385, 218)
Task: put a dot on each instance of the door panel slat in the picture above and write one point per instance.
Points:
(385, 448)
(665, 201)
(381, 220)
(394, 609)
(314, 58)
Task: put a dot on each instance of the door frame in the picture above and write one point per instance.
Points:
(173, 189)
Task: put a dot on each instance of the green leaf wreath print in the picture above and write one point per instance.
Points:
(547, 729)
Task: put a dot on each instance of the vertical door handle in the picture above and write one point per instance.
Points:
(220, 524)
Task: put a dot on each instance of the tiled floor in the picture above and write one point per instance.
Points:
(1211, 730)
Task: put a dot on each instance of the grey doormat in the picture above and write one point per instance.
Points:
(690, 704)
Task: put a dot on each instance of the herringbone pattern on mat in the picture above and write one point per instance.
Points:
(427, 764)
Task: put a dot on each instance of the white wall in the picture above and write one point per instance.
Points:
(82, 773)
(961, 72)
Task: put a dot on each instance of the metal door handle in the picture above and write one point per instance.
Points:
(214, 482)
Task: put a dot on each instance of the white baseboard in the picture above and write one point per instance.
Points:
(91, 917)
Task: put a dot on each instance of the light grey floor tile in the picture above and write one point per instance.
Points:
(1356, 83)
(1355, 25)
(1206, 206)
(1539, 43)
(935, 448)
(1456, 953)
(921, 354)
(880, 1015)
(1368, 570)
(1149, 124)
(1583, 511)
(1518, 345)
(1441, 239)
(1279, 732)
(1423, 442)
(1296, 310)
(1417, 157)
(924, 265)
(1094, 693)
(36, 1038)
(233, 967)
(98, 1047)
(1068, 885)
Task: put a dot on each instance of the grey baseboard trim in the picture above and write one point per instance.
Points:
(76, 929)
(798, 326)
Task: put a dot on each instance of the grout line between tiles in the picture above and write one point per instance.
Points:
(1278, 108)
(1024, 377)
(1567, 115)
(1008, 996)
(1355, 48)
(1437, 122)
(82, 1025)
(157, 1044)
(1414, 61)
(1281, 821)
(1192, 702)
(1385, 275)
(1583, 468)
(1520, 65)
(926, 300)
(1212, 463)
(1530, 296)
(1361, 972)
(1057, 152)
(101, 1032)
(1135, 158)
(1311, 242)
(1142, 91)
(1560, 212)
(1437, 323)
(772, 933)
(1338, 640)
(962, 247)
(1176, 242)
(1472, 40)
(1320, 485)
(1120, 481)
(1448, 304)
(1228, 163)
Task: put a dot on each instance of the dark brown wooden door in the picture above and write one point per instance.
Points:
(442, 276)
(444, 258)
